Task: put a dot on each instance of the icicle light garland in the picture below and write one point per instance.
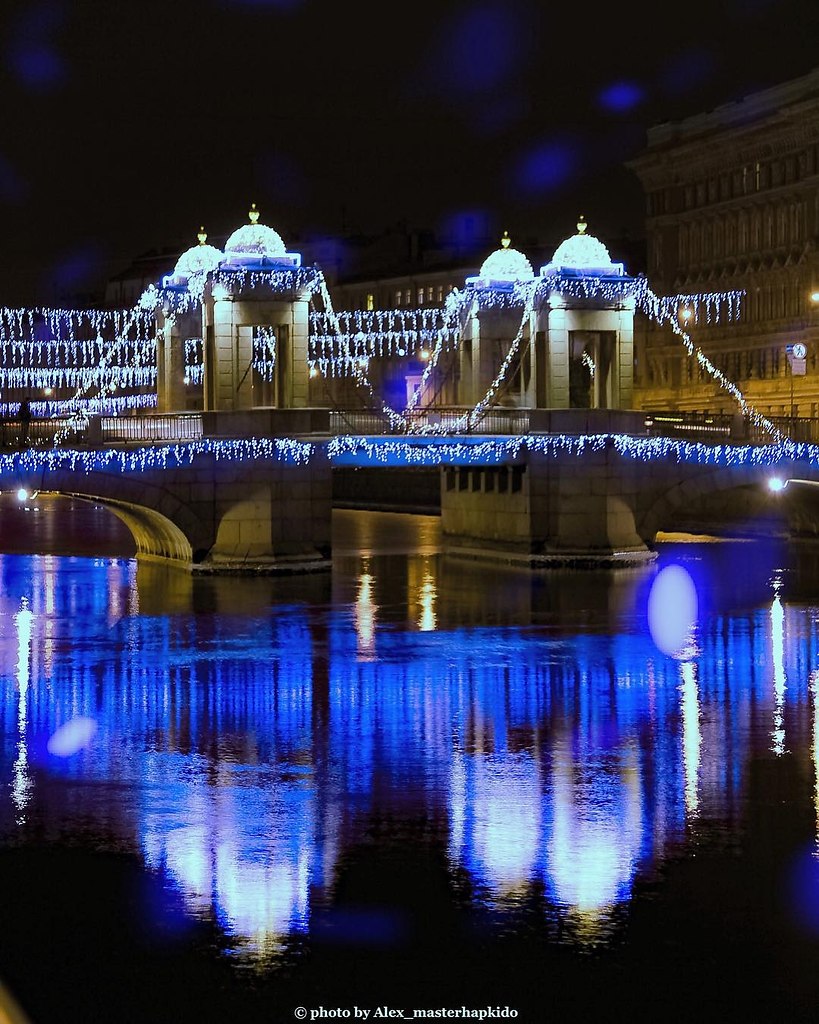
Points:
(472, 419)
(667, 310)
(194, 361)
(456, 313)
(388, 332)
(427, 451)
(264, 352)
(158, 457)
(54, 408)
(58, 348)
(441, 451)
(236, 280)
(103, 350)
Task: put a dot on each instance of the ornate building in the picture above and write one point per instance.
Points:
(733, 203)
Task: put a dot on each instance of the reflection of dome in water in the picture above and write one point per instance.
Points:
(255, 238)
(199, 259)
(582, 252)
(506, 264)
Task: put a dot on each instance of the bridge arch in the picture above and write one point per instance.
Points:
(232, 507)
(665, 502)
(155, 536)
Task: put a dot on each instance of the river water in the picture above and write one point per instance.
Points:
(411, 783)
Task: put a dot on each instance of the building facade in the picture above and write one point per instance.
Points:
(733, 203)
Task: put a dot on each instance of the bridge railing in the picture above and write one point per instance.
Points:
(39, 433)
(797, 428)
(711, 428)
(442, 418)
(727, 428)
(694, 426)
(177, 426)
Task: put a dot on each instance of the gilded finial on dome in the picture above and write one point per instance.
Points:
(202, 235)
(581, 225)
(506, 241)
(253, 213)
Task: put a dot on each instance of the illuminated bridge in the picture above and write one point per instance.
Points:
(218, 416)
(536, 499)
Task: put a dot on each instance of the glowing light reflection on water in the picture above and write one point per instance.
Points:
(243, 752)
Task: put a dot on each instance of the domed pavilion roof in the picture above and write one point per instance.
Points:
(199, 259)
(257, 245)
(504, 267)
(506, 264)
(582, 254)
(255, 239)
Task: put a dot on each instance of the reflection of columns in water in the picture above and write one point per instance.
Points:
(778, 654)
(495, 811)
(692, 735)
(597, 825)
(22, 785)
(365, 610)
(245, 852)
(814, 689)
(427, 593)
(49, 608)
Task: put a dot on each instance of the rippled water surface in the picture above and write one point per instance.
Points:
(414, 782)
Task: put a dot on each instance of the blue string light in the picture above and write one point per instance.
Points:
(416, 451)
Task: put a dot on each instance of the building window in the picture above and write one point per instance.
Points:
(398, 298)
(780, 226)
(370, 302)
(440, 293)
(790, 169)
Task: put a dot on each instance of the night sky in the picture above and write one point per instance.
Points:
(126, 125)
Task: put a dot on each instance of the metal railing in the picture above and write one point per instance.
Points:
(710, 428)
(796, 428)
(693, 426)
(39, 433)
(445, 419)
(724, 428)
(178, 426)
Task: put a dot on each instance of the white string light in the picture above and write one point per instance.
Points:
(418, 451)
(103, 351)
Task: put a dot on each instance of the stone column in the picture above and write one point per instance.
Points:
(557, 347)
(221, 369)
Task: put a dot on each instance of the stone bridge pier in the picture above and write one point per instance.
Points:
(545, 510)
(206, 511)
(604, 506)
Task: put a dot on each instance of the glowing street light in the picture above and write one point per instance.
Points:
(776, 484)
(22, 494)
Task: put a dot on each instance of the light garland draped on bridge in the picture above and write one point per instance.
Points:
(24, 466)
(98, 352)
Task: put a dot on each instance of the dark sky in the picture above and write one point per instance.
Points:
(126, 125)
